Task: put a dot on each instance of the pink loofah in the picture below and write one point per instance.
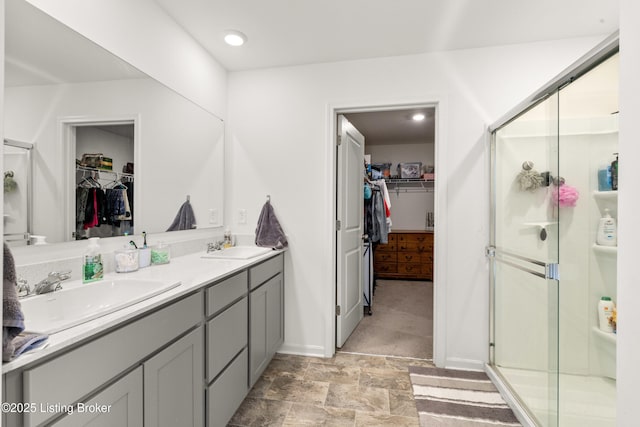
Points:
(565, 196)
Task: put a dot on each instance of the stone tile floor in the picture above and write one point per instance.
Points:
(345, 390)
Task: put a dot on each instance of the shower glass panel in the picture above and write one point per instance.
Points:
(526, 242)
(17, 192)
(553, 180)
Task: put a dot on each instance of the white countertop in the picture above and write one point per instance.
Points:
(193, 271)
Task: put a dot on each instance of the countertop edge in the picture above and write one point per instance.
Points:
(69, 338)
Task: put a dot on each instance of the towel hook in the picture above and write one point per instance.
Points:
(268, 198)
(188, 198)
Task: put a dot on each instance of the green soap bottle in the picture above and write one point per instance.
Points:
(92, 269)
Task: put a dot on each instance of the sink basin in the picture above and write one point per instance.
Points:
(78, 303)
(238, 252)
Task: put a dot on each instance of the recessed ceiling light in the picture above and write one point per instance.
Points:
(418, 117)
(234, 38)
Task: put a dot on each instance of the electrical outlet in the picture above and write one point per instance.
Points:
(213, 216)
(242, 216)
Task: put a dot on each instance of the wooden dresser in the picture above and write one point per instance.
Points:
(408, 255)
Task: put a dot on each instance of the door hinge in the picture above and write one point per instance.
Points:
(490, 252)
(553, 271)
(339, 141)
(337, 310)
(338, 225)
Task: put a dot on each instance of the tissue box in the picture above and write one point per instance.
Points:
(410, 170)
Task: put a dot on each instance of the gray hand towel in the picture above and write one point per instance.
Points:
(14, 342)
(12, 317)
(269, 233)
(185, 219)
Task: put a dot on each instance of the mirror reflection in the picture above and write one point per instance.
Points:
(94, 122)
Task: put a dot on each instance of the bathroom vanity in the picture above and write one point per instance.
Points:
(187, 357)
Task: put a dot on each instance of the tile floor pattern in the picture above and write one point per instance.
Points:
(346, 390)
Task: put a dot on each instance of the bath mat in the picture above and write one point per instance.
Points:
(453, 398)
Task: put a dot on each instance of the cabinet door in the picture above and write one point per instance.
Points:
(266, 326)
(174, 384)
(120, 404)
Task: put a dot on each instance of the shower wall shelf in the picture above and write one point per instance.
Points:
(605, 250)
(606, 195)
(607, 337)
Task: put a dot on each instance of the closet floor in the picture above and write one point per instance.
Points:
(401, 323)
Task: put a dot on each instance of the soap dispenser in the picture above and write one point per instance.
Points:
(227, 243)
(92, 269)
(607, 231)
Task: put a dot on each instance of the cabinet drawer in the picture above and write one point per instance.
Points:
(408, 256)
(427, 270)
(389, 247)
(409, 268)
(408, 246)
(228, 391)
(78, 372)
(385, 267)
(425, 247)
(426, 258)
(225, 292)
(419, 237)
(227, 334)
(385, 257)
(265, 271)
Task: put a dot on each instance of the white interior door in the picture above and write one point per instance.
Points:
(350, 205)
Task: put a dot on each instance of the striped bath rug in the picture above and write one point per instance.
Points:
(453, 398)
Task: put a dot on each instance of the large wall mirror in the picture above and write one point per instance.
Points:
(89, 120)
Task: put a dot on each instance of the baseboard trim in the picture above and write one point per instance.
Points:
(302, 350)
(464, 364)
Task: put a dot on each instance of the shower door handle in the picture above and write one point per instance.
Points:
(551, 270)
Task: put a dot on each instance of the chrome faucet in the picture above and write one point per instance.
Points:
(23, 287)
(51, 283)
(214, 246)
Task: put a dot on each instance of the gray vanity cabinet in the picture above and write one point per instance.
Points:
(120, 404)
(227, 340)
(266, 314)
(174, 393)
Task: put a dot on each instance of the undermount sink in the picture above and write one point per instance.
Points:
(238, 252)
(79, 303)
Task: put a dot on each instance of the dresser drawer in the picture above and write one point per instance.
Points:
(389, 247)
(426, 257)
(409, 268)
(420, 238)
(386, 267)
(385, 257)
(425, 247)
(408, 246)
(412, 257)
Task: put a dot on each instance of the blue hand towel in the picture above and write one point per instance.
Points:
(269, 232)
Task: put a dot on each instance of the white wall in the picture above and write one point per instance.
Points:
(142, 34)
(278, 144)
(408, 209)
(628, 208)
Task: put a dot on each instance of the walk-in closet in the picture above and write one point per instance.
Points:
(399, 220)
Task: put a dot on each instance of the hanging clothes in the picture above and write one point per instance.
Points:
(375, 222)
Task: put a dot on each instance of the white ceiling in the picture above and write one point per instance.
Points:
(293, 32)
(396, 126)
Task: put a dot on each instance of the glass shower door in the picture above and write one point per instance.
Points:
(524, 252)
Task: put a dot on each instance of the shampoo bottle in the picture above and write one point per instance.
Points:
(605, 310)
(607, 231)
(92, 269)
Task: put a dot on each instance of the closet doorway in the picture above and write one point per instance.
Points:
(101, 156)
(397, 255)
